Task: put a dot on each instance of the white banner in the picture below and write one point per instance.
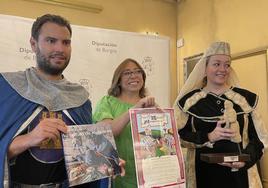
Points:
(95, 55)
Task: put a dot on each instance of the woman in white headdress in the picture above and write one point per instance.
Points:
(202, 119)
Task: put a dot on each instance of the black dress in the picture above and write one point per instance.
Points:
(203, 113)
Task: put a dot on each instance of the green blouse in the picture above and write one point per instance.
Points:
(110, 107)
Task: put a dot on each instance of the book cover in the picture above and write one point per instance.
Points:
(90, 153)
(158, 156)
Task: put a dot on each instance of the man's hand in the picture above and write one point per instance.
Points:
(122, 164)
(48, 128)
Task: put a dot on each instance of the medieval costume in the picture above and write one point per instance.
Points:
(197, 112)
(24, 96)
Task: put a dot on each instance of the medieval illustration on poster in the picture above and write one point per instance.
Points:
(158, 156)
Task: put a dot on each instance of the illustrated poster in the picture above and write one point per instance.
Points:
(158, 156)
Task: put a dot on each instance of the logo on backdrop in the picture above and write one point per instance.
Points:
(27, 54)
(105, 47)
(148, 65)
(87, 85)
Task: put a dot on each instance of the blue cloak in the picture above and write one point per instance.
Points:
(15, 110)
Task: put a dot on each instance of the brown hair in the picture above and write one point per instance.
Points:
(115, 89)
(40, 21)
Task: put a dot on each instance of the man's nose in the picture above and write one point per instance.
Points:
(59, 46)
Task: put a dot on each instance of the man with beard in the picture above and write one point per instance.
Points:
(36, 106)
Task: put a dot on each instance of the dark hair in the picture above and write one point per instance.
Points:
(40, 21)
(115, 89)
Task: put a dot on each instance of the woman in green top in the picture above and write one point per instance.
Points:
(127, 91)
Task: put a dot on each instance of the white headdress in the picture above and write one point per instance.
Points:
(196, 78)
(196, 81)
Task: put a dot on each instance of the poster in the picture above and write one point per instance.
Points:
(158, 156)
(90, 153)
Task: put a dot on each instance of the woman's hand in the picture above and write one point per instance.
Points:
(235, 166)
(146, 102)
(220, 133)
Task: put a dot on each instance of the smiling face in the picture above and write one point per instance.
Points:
(217, 70)
(131, 78)
(53, 48)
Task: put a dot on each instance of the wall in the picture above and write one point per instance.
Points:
(126, 15)
(240, 22)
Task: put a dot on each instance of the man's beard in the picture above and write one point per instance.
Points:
(47, 67)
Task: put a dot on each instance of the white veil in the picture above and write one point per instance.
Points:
(196, 81)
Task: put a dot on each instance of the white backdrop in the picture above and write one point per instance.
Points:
(95, 55)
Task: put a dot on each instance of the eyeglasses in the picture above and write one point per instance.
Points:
(137, 72)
